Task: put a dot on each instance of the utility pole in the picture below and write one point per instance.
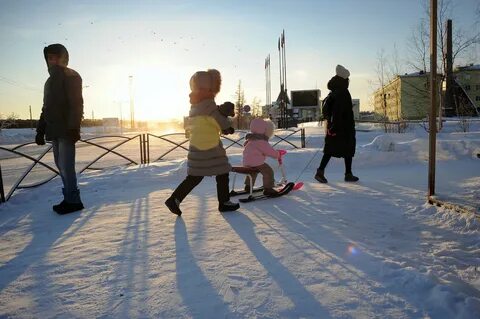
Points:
(433, 98)
(449, 105)
(121, 117)
(31, 120)
(132, 114)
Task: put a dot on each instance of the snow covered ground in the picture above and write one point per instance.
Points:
(373, 249)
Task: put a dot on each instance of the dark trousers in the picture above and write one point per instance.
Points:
(267, 174)
(190, 182)
(326, 158)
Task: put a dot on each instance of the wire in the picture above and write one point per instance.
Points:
(306, 166)
(18, 84)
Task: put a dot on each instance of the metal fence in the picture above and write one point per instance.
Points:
(175, 144)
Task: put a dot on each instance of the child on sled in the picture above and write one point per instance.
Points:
(256, 149)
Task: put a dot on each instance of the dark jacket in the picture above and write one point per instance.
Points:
(338, 111)
(62, 103)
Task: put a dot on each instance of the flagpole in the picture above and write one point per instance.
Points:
(281, 82)
(284, 79)
(269, 85)
(284, 61)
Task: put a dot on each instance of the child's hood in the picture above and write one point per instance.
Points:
(258, 126)
(206, 107)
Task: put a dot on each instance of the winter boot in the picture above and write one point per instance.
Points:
(173, 205)
(320, 176)
(228, 206)
(66, 207)
(349, 177)
(270, 192)
(59, 206)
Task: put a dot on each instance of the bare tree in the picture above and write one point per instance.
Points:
(418, 47)
(387, 69)
(256, 107)
(239, 103)
(7, 121)
(463, 41)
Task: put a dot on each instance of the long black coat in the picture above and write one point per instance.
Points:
(62, 103)
(338, 111)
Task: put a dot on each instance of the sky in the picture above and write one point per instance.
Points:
(162, 43)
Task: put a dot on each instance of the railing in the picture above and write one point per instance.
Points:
(145, 148)
(38, 160)
(230, 141)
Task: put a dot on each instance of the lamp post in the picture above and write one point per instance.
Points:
(132, 113)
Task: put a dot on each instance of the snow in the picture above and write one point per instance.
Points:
(372, 249)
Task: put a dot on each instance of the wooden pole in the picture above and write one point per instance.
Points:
(433, 98)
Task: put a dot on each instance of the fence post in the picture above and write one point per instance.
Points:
(2, 191)
(141, 147)
(303, 137)
(148, 148)
(144, 149)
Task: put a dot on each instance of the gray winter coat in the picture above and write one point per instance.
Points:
(206, 155)
(62, 103)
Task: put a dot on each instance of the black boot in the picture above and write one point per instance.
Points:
(66, 207)
(173, 205)
(349, 177)
(58, 206)
(228, 206)
(320, 176)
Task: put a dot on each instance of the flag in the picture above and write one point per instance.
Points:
(278, 44)
(283, 38)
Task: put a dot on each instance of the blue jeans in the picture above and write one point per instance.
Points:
(64, 155)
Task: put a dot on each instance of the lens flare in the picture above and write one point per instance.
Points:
(352, 250)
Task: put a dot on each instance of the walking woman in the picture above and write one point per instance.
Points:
(340, 136)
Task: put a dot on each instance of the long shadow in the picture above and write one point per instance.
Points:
(44, 236)
(194, 287)
(371, 264)
(305, 304)
(130, 283)
(49, 230)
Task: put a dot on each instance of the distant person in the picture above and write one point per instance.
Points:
(60, 120)
(256, 149)
(206, 155)
(340, 139)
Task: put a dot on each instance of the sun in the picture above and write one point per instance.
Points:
(160, 94)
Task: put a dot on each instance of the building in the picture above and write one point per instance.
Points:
(356, 108)
(468, 78)
(406, 97)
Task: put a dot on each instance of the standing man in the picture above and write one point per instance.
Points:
(60, 120)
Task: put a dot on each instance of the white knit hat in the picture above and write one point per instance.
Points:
(342, 72)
